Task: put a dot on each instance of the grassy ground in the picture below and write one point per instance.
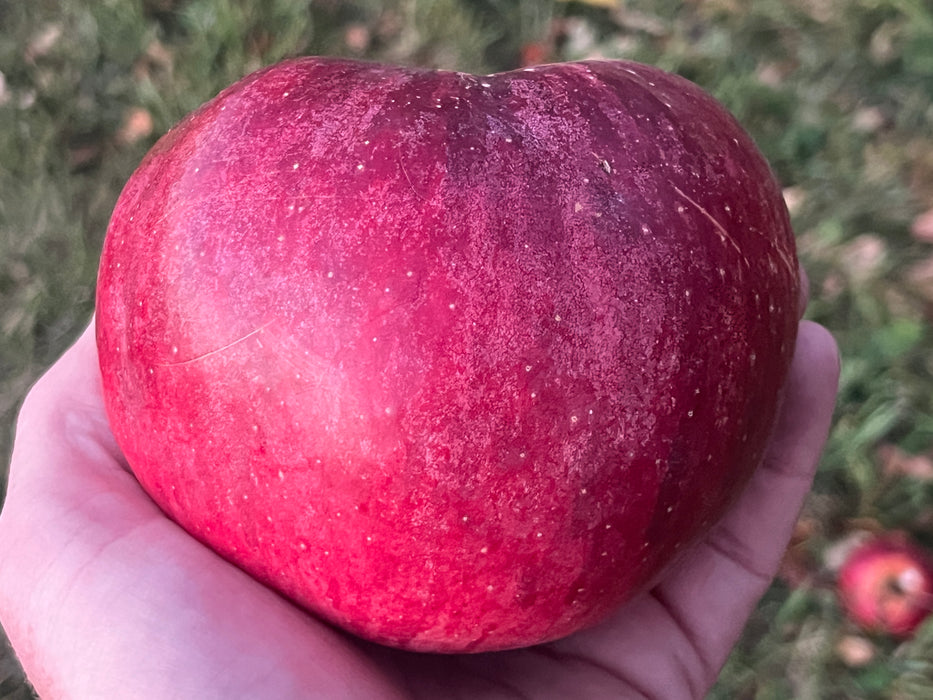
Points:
(836, 92)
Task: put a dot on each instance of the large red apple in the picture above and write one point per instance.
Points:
(457, 362)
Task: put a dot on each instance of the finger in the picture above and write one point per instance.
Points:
(712, 592)
(696, 614)
(103, 596)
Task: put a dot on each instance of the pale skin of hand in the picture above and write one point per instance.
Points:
(103, 596)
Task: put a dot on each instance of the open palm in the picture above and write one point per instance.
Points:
(104, 597)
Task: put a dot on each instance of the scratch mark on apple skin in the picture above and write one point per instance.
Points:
(401, 166)
(724, 235)
(218, 350)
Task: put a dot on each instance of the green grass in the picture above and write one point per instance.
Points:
(838, 94)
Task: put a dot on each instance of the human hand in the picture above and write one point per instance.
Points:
(103, 596)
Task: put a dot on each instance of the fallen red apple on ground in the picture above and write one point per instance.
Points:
(886, 586)
(457, 362)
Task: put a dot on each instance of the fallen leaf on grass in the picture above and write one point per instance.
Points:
(137, 125)
(797, 565)
(42, 42)
(863, 256)
(920, 276)
(922, 227)
(898, 462)
(855, 651)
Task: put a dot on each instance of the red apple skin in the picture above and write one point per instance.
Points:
(458, 363)
(886, 586)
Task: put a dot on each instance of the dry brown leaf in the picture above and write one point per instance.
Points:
(600, 3)
(855, 651)
(922, 227)
(43, 41)
(357, 37)
(920, 276)
(797, 566)
(137, 125)
(863, 256)
(897, 462)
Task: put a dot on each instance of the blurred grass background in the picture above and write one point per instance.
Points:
(838, 94)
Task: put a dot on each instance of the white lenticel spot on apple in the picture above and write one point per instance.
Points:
(486, 85)
(285, 94)
(294, 166)
(483, 550)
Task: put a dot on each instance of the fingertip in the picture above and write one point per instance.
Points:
(818, 352)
